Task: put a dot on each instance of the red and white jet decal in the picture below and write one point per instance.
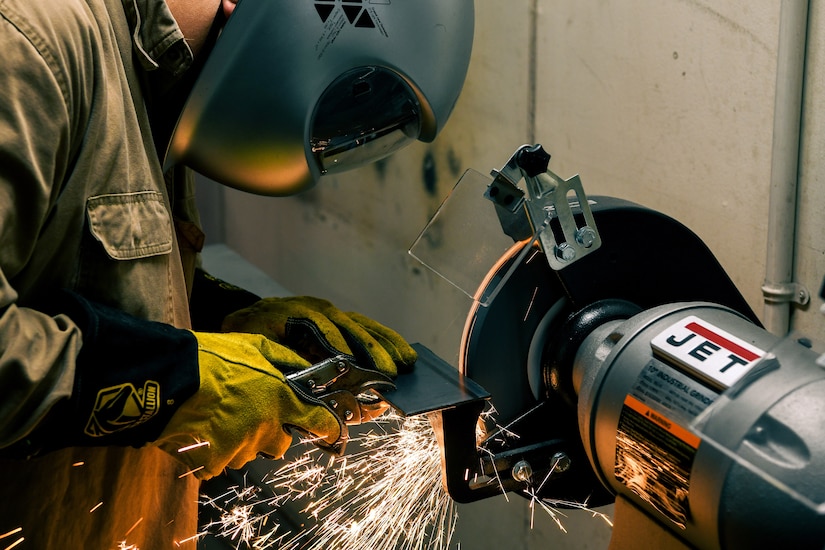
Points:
(702, 347)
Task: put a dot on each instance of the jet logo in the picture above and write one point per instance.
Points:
(123, 406)
(354, 10)
(707, 350)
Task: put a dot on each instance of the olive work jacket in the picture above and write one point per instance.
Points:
(84, 206)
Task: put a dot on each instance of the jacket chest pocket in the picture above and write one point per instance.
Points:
(126, 258)
(131, 226)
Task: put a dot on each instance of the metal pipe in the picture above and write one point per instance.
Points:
(779, 290)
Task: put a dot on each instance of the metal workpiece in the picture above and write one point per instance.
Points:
(433, 385)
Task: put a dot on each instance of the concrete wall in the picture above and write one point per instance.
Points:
(668, 103)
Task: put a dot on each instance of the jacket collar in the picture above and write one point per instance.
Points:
(157, 40)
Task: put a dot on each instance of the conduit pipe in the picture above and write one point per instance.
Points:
(779, 290)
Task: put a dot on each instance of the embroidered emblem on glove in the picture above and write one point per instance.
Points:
(121, 407)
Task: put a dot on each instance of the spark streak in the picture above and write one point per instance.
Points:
(10, 533)
(190, 472)
(193, 446)
(132, 528)
(530, 306)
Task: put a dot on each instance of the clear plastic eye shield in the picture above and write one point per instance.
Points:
(296, 90)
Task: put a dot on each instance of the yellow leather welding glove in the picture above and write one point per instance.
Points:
(244, 406)
(317, 330)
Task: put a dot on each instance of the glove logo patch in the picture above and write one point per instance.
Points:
(121, 407)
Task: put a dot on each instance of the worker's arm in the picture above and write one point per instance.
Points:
(129, 377)
(37, 350)
(139, 382)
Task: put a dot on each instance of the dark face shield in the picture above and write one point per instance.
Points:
(364, 116)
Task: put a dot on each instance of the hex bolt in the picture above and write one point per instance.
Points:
(560, 463)
(586, 236)
(565, 253)
(522, 471)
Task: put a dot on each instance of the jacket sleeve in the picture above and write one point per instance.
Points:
(36, 350)
(36, 367)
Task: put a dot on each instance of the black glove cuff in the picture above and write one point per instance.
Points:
(214, 299)
(131, 376)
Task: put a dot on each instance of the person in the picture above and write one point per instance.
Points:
(111, 359)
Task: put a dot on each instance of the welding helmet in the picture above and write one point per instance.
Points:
(296, 89)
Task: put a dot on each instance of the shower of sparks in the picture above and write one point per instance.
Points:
(244, 516)
(385, 495)
(552, 507)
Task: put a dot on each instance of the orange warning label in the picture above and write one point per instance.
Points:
(671, 427)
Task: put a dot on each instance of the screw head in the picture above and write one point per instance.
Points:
(348, 415)
(565, 253)
(586, 236)
(522, 471)
(560, 463)
(341, 366)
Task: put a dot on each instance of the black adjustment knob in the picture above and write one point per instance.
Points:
(533, 160)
